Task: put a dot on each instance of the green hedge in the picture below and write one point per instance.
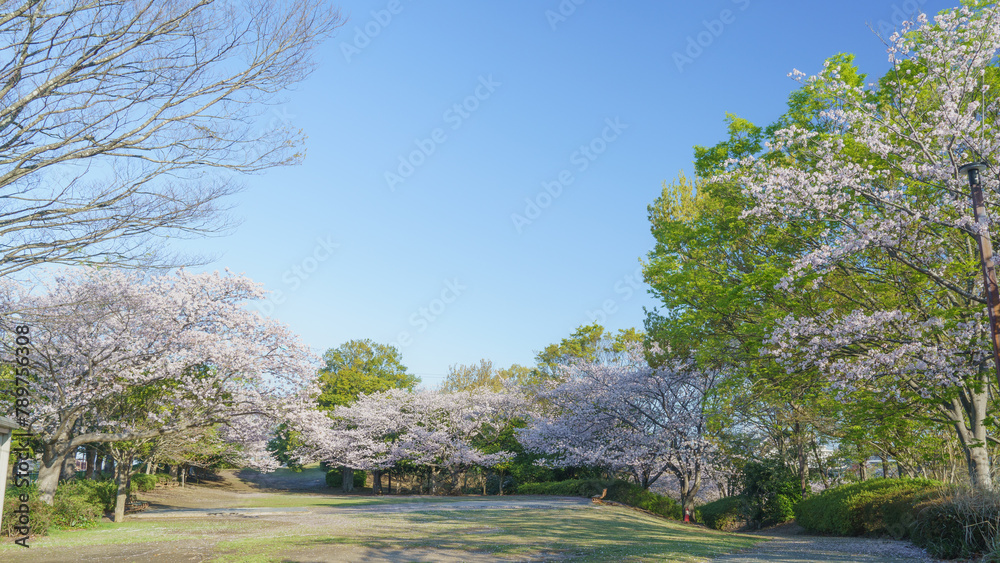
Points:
(618, 491)
(143, 482)
(872, 507)
(723, 514)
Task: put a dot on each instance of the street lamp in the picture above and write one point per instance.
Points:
(982, 235)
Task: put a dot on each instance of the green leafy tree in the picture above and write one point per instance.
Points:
(361, 366)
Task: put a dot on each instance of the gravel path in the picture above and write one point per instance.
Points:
(789, 544)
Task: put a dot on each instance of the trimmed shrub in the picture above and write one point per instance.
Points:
(723, 514)
(101, 494)
(143, 482)
(568, 488)
(872, 507)
(618, 491)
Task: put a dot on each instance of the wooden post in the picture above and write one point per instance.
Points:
(7, 427)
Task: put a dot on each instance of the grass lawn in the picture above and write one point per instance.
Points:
(335, 527)
(581, 534)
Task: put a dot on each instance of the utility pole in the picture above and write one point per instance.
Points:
(985, 254)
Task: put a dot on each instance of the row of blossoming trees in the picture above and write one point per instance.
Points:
(613, 412)
(126, 359)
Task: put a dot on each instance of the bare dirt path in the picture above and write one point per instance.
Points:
(790, 544)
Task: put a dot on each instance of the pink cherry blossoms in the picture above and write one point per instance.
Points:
(98, 336)
(444, 431)
(623, 415)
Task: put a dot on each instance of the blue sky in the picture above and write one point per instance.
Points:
(478, 173)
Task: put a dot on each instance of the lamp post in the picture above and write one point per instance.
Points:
(985, 254)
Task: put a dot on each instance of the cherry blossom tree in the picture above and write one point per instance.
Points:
(619, 413)
(878, 174)
(127, 356)
(446, 432)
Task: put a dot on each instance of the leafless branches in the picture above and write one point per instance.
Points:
(122, 121)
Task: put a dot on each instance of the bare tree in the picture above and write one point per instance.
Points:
(122, 121)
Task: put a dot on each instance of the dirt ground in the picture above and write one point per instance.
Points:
(790, 544)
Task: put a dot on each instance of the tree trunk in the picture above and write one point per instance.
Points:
(91, 462)
(376, 482)
(184, 474)
(67, 469)
(122, 481)
(688, 489)
(347, 479)
(109, 464)
(968, 415)
(820, 465)
(863, 469)
(885, 466)
(48, 473)
(800, 448)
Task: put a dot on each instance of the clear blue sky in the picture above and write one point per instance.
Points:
(599, 101)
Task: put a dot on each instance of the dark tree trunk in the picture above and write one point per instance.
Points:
(67, 470)
(91, 462)
(122, 481)
(347, 479)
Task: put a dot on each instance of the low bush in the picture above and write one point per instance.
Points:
(618, 491)
(770, 491)
(33, 513)
(143, 482)
(958, 523)
(101, 494)
(872, 507)
(77, 504)
(567, 488)
(724, 514)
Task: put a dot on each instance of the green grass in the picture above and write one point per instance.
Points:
(582, 534)
(585, 535)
